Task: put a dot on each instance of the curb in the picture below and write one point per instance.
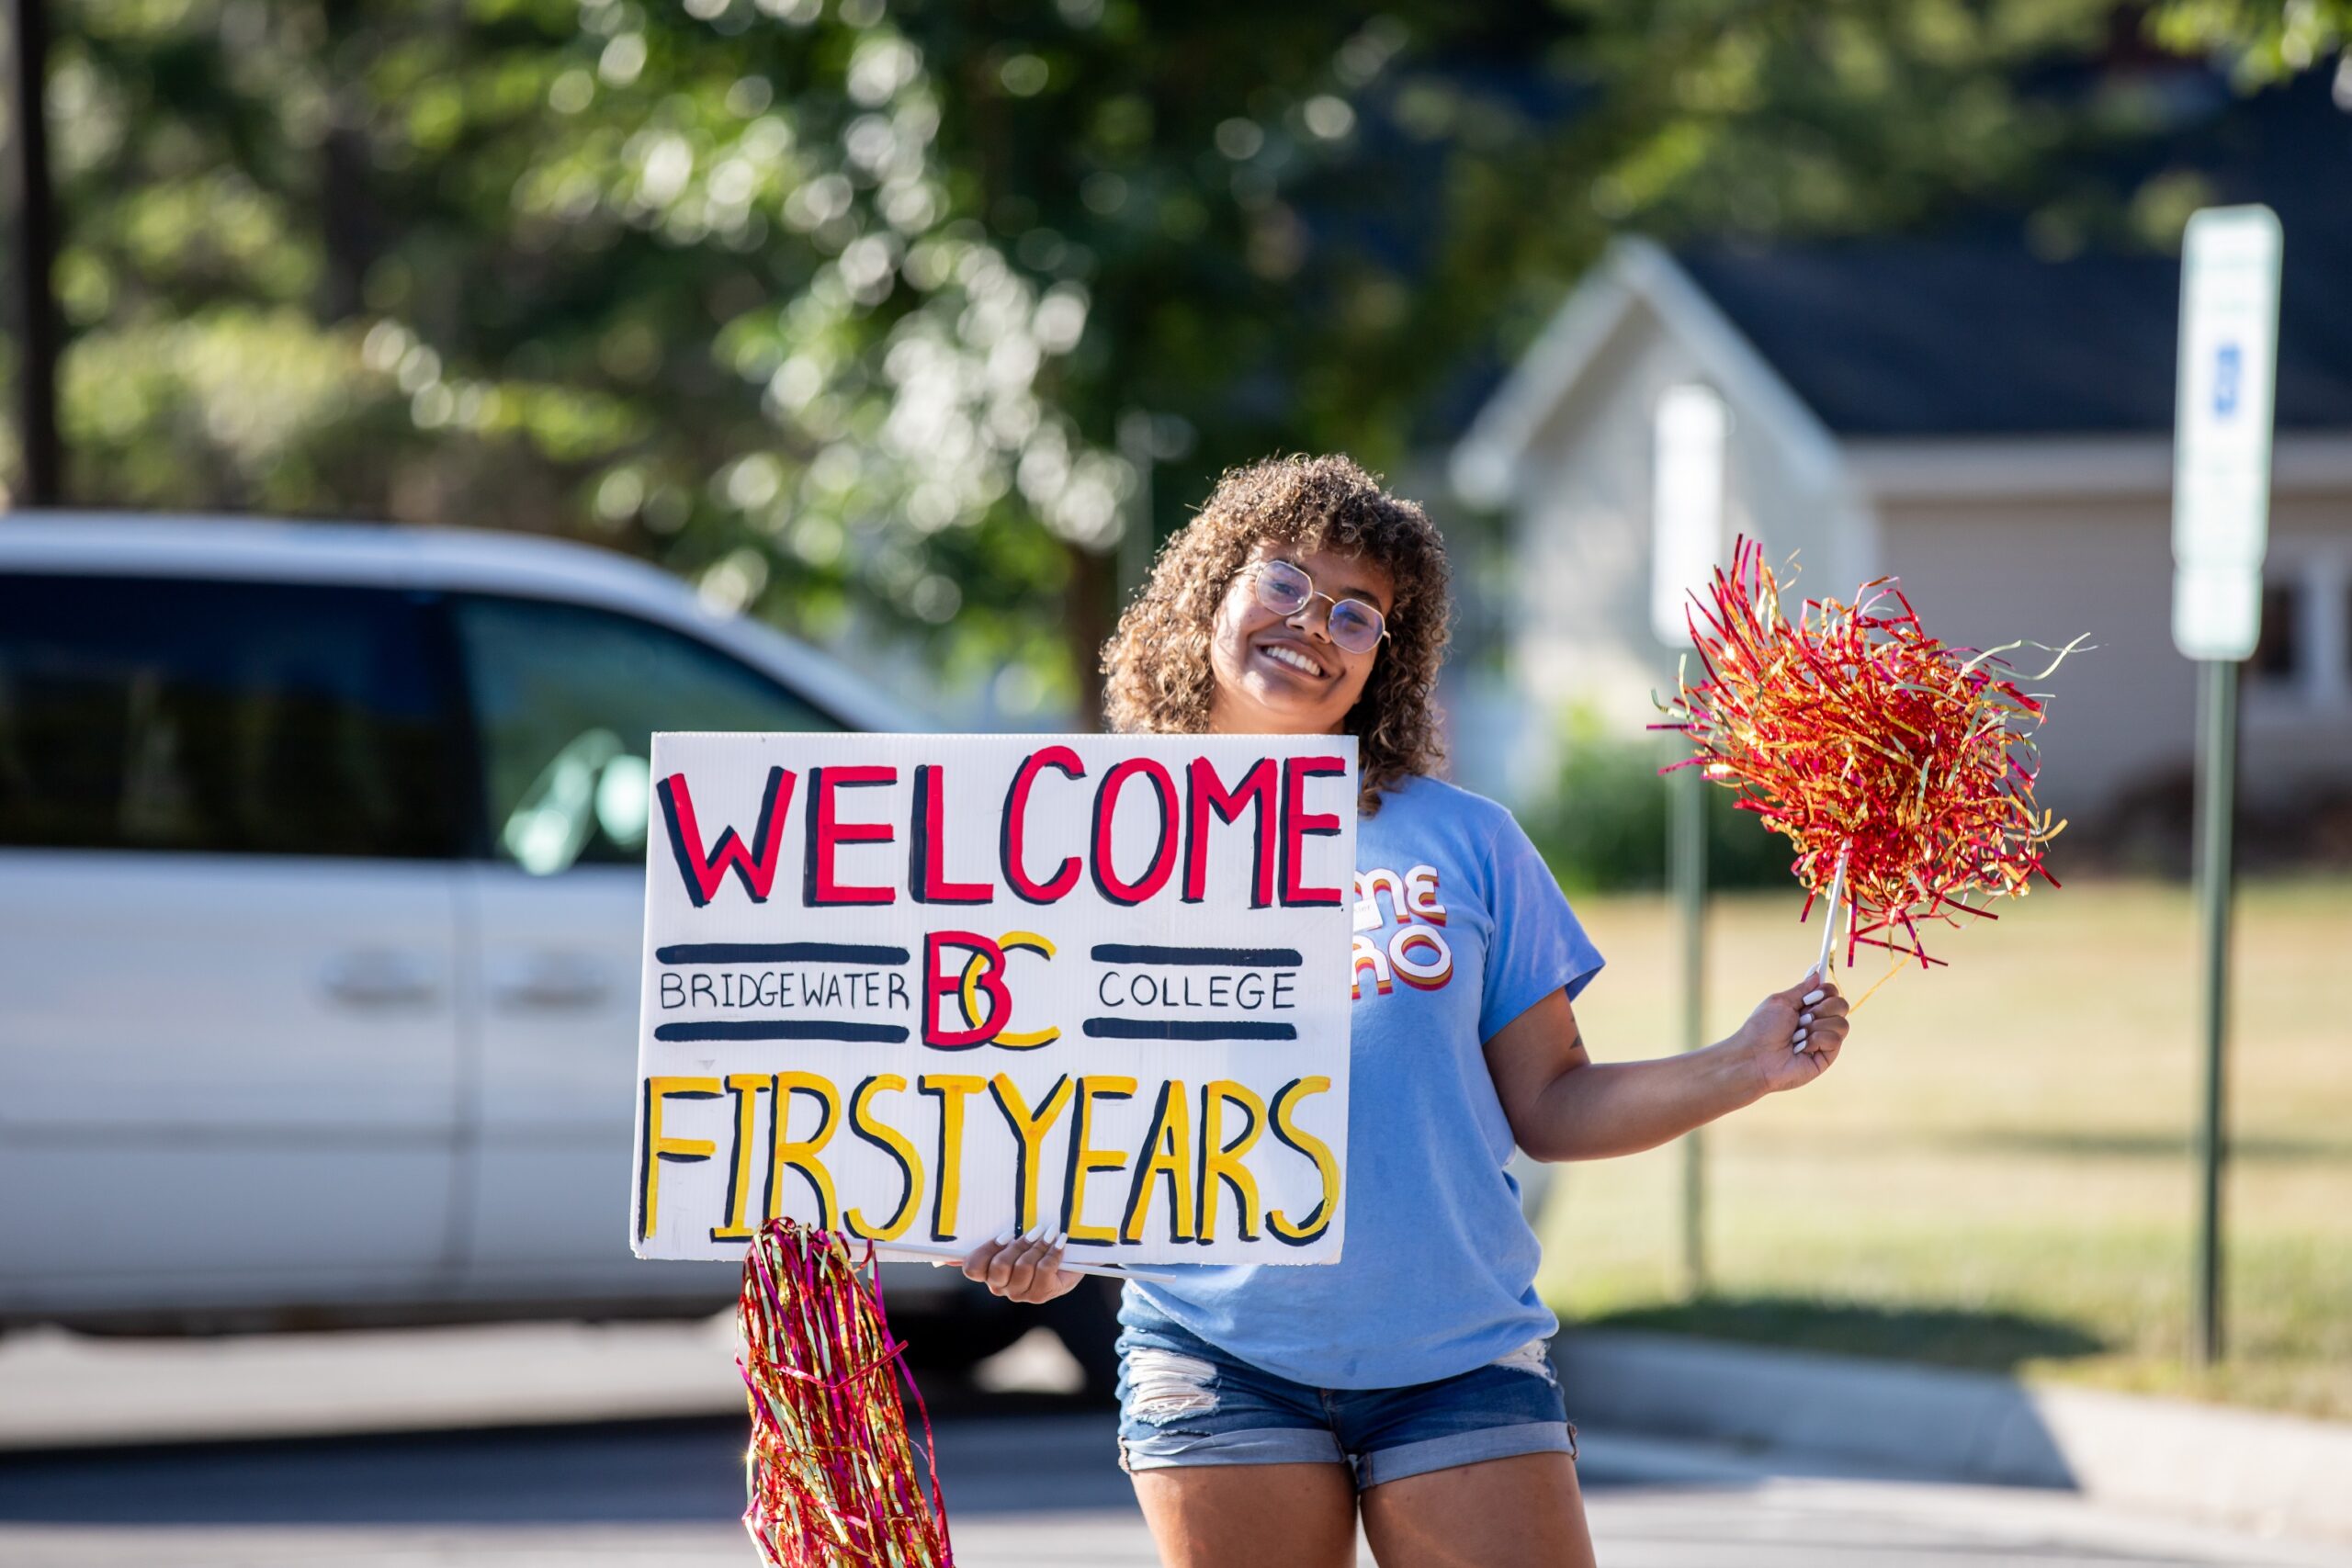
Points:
(2274, 1473)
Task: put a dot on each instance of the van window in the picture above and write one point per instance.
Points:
(229, 718)
(567, 699)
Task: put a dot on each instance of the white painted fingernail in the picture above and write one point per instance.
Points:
(1038, 1232)
(1813, 997)
(1798, 1046)
(1801, 1035)
(1010, 1232)
(1804, 1017)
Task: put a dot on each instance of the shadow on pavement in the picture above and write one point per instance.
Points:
(997, 1454)
(1946, 1337)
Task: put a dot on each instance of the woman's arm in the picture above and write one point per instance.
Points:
(1563, 1105)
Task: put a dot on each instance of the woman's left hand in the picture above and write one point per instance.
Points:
(1793, 1035)
(1023, 1268)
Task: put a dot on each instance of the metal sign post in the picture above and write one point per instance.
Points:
(2229, 334)
(1687, 868)
(1687, 511)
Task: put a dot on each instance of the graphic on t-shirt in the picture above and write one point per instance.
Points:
(1416, 952)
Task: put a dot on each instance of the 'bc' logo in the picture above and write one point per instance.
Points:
(982, 975)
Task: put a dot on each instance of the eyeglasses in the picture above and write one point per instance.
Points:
(1286, 590)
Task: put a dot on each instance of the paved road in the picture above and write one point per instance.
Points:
(1030, 1480)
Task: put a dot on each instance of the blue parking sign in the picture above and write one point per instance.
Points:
(2229, 337)
(2229, 365)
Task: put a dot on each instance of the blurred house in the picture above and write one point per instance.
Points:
(1991, 426)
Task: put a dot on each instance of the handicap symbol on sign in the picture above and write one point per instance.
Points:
(2228, 362)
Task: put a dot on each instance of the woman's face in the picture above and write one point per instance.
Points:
(1282, 674)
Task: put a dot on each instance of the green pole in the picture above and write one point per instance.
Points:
(1687, 862)
(2217, 756)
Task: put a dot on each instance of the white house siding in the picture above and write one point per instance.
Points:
(1581, 536)
(2299, 740)
(1986, 571)
(2041, 537)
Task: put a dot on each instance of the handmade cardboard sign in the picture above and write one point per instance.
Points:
(918, 988)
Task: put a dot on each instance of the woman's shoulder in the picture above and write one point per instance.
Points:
(1426, 794)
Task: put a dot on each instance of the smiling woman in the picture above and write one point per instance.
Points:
(1302, 599)
(1404, 1383)
(1276, 651)
(1267, 628)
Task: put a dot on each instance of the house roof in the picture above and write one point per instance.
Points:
(1974, 335)
(1969, 334)
(1938, 338)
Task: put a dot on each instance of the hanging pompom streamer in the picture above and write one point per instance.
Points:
(1851, 732)
(831, 1470)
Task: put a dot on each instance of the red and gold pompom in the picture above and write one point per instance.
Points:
(1865, 742)
(831, 1470)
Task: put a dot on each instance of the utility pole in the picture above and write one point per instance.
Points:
(35, 260)
(1687, 532)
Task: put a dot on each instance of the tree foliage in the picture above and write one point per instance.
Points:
(2262, 41)
(886, 321)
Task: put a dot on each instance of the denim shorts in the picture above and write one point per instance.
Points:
(1182, 1401)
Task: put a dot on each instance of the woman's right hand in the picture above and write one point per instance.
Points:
(1023, 1268)
(1793, 1036)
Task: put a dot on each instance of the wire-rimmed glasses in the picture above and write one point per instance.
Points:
(1287, 589)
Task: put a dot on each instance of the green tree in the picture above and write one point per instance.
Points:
(864, 318)
(2261, 42)
(700, 286)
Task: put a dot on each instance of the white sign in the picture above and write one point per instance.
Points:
(917, 989)
(2229, 334)
(1687, 505)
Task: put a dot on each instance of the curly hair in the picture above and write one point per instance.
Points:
(1159, 680)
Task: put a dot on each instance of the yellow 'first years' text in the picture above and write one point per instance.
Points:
(1190, 1177)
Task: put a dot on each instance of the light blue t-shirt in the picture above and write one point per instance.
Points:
(1459, 928)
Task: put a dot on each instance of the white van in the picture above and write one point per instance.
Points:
(321, 855)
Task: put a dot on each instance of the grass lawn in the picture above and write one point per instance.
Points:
(1998, 1172)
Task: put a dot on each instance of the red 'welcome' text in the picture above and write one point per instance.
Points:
(839, 808)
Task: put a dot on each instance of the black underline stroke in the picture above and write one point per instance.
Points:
(779, 953)
(784, 1028)
(1222, 957)
(1185, 1029)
